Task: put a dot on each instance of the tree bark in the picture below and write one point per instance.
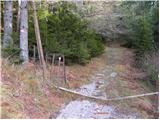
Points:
(24, 32)
(7, 39)
(38, 38)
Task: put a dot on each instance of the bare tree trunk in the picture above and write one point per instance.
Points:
(38, 38)
(7, 40)
(24, 31)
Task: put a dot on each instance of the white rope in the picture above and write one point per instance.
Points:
(104, 99)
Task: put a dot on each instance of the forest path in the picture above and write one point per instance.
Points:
(106, 83)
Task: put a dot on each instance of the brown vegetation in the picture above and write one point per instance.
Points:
(24, 95)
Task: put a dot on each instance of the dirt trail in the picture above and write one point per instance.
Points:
(112, 81)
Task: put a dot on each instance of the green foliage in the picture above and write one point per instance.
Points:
(150, 65)
(62, 31)
(140, 20)
(153, 74)
(11, 53)
(144, 36)
(13, 46)
(155, 23)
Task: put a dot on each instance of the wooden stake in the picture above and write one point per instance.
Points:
(53, 59)
(64, 70)
(46, 58)
(34, 53)
(59, 64)
(52, 67)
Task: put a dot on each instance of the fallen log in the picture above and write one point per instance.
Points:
(105, 99)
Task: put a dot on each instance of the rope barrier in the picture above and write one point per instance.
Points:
(104, 99)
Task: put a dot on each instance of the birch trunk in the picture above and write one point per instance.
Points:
(7, 39)
(24, 31)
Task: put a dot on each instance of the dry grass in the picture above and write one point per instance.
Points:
(23, 95)
(126, 84)
(26, 95)
(78, 75)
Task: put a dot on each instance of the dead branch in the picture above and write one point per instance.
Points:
(104, 99)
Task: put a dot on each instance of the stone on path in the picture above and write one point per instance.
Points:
(114, 74)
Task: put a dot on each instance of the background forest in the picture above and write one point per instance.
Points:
(68, 29)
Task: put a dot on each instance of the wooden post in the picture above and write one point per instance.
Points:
(53, 57)
(64, 70)
(38, 38)
(46, 58)
(52, 67)
(34, 53)
(59, 64)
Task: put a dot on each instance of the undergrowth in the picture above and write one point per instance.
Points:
(26, 95)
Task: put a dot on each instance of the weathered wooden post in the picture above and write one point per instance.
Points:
(64, 70)
(52, 66)
(34, 53)
(46, 58)
(53, 57)
(59, 64)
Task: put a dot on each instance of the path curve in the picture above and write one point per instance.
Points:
(80, 109)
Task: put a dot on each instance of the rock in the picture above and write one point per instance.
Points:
(98, 93)
(99, 74)
(16, 94)
(114, 74)
(100, 82)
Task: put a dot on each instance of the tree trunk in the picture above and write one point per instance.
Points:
(7, 39)
(38, 38)
(24, 32)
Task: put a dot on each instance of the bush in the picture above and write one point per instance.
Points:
(141, 20)
(64, 32)
(13, 47)
(141, 36)
(150, 65)
(144, 35)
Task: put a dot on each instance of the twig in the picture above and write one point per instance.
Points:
(12, 55)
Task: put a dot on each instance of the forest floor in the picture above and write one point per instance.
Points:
(26, 95)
